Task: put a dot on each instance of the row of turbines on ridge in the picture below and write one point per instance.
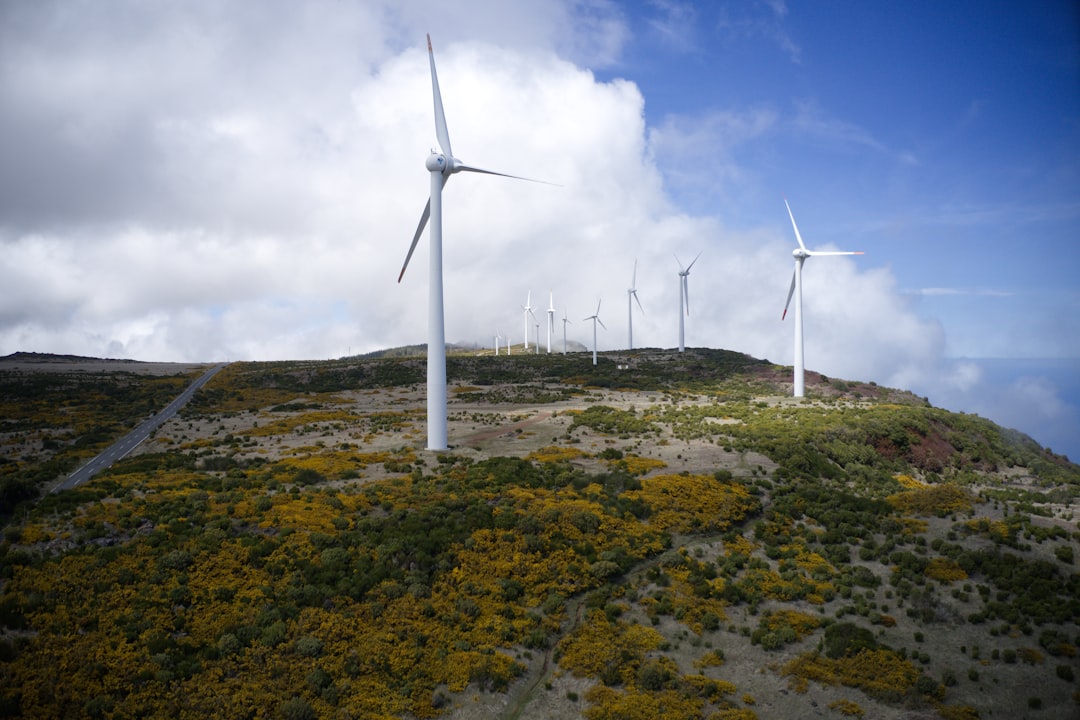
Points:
(631, 298)
(441, 165)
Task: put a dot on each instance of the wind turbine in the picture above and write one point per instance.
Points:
(631, 293)
(800, 254)
(551, 319)
(564, 321)
(595, 319)
(537, 334)
(684, 297)
(527, 307)
(441, 165)
(498, 337)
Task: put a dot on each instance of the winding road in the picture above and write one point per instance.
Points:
(129, 442)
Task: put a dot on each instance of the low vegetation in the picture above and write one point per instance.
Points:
(635, 543)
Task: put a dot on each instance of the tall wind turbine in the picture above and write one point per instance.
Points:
(527, 307)
(564, 321)
(551, 319)
(632, 293)
(441, 165)
(684, 297)
(498, 337)
(801, 253)
(595, 319)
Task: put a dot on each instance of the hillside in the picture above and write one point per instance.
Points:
(663, 535)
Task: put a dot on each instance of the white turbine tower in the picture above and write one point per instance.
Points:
(441, 165)
(498, 337)
(684, 297)
(801, 253)
(527, 308)
(564, 321)
(537, 322)
(631, 294)
(551, 319)
(595, 319)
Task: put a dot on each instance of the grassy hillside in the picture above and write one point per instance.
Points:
(659, 536)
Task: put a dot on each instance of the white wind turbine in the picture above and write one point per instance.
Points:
(441, 165)
(595, 319)
(551, 319)
(537, 323)
(564, 321)
(684, 297)
(498, 337)
(527, 307)
(801, 253)
(631, 293)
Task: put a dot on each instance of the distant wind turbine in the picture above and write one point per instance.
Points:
(632, 293)
(800, 254)
(595, 319)
(684, 297)
(564, 321)
(537, 335)
(551, 319)
(441, 165)
(527, 307)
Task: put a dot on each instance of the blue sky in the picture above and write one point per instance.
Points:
(203, 180)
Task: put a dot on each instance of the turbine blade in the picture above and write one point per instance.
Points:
(440, 117)
(681, 268)
(686, 294)
(416, 237)
(694, 261)
(633, 281)
(634, 293)
(598, 305)
(834, 252)
(797, 235)
(473, 169)
(601, 323)
(789, 294)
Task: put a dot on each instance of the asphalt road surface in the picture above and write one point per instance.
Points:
(129, 442)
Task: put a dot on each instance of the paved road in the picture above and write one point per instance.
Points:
(129, 442)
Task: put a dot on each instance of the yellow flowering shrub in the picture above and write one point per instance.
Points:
(555, 453)
(693, 503)
(944, 569)
(933, 500)
(847, 708)
(877, 672)
(609, 704)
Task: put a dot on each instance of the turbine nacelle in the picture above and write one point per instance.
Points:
(438, 162)
(800, 253)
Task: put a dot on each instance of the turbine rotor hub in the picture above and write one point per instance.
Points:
(800, 254)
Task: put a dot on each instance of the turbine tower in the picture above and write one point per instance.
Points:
(595, 319)
(684, 297)
(527, 307)
(498, 337)
(441, 165)
(631, 293)
(551, 319)
(800, 254)
(564, 321)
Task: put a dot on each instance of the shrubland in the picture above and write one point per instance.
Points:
(640, 542)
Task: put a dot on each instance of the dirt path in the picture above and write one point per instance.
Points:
(485, 435)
